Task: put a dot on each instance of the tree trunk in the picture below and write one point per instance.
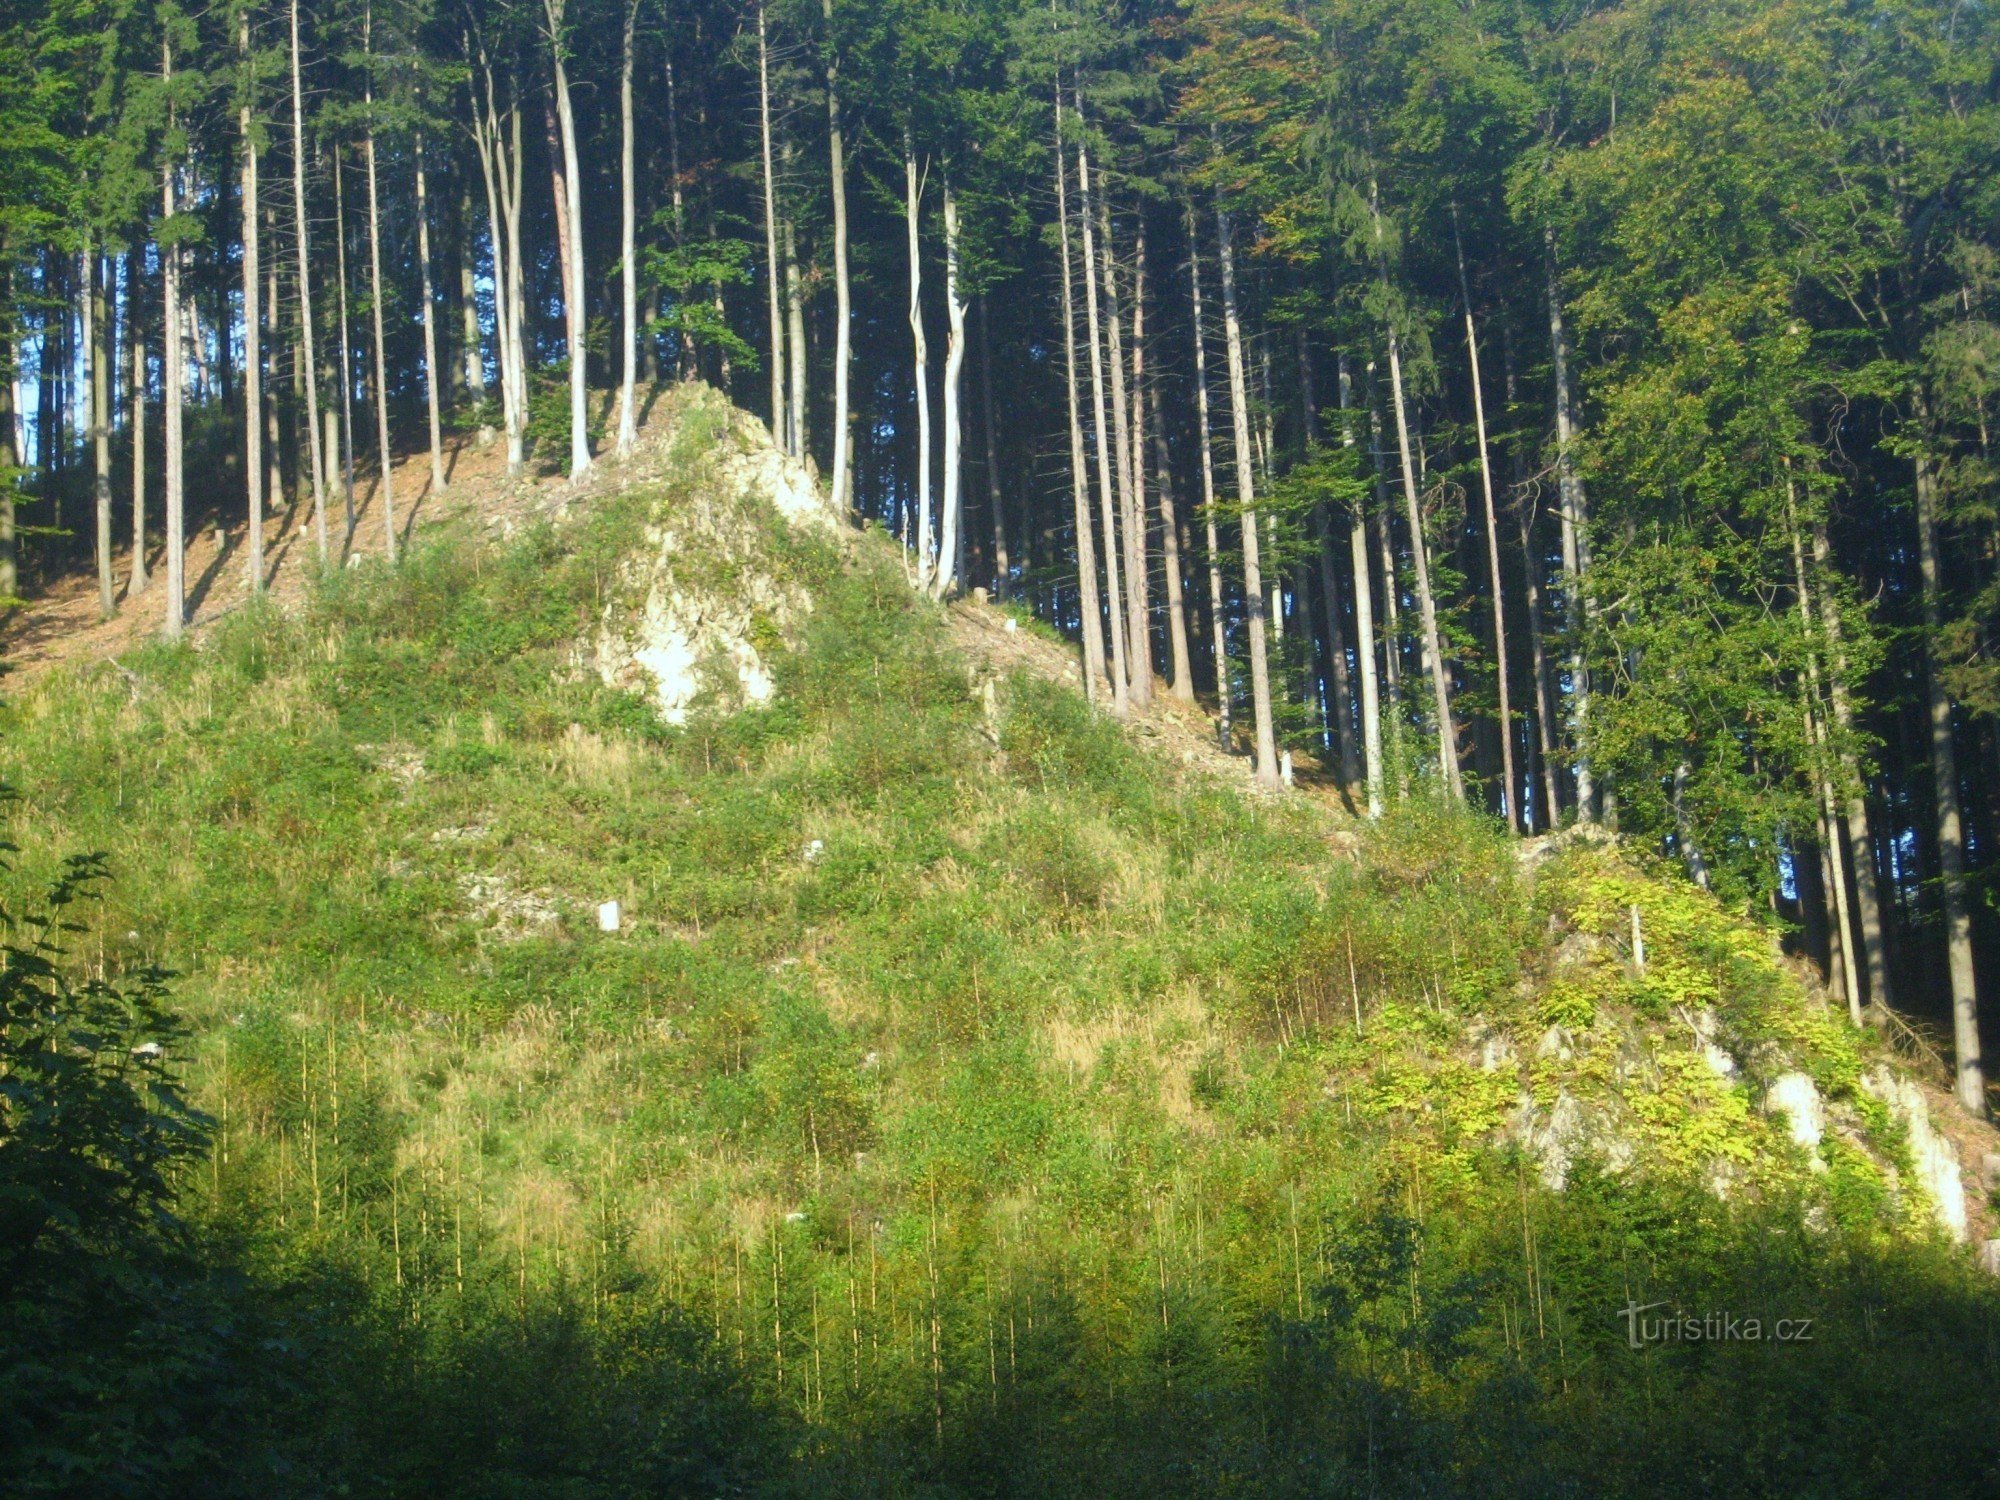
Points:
(1545, 712)
(999, 515)
(1218, 620)
(10, 464)
(304, 238)
(253, 336)
(1121, 697)
(428, 292)
(778, 426)
(1089, 606)
(471, 352)
(1182, 686)
(1131, 487)
(575, 309)
(1364, 616)
(843, 292)
(628, 239)
(954, 423)
(1835, 864)
(1867, 897)
(136, 334)
(1246, 491)
(795, 336)
(96, 344)
(1392, 592)
(919, 363)
(381, 346)
(175, 605)
(1950, 821)
(500, 171)
(1511, 803)
(342, 451)
(1575, 548)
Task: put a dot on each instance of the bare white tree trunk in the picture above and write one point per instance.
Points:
(1512, 800)
(470, 334)
(575, 310)
(779, 429)
(1089, 606)
(843, 291)
(96, 342)
(499, 151)
(1246, 492)
(954, 434)
(253, 338)
(375, 298)
(920, 362)
(1218, 620)
(1364, 618)
(1120, 679)
(340, 442)
(1131, 504)
(432, 374)
(795, 336)
(1575, 547)
(136, 584)
(304, 238)
(1545, 709)
(628, 241)
(175, 606)
(1951, 822)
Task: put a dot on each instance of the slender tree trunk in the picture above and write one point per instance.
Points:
(302, 235)
(340, 443)
(1218, 619)
(920, 363)
(795, 335)
(1836, 868)
(275, 492)
(253, 331)
(11, 458)
(575, 309)
(1246, 490)
(1951, 827)
(136, 584)
(96, 344)
(1101, 433)
(1575, 548)
(628, 240)
(954, 422)
(426, 289)
(473, 341)
(500, 171)
(381, 345)
(999, 515)
(1867, 897)
(1434, 662)
(1512, 802)
(779, 429)
(685, 363)
(1182, 686)
(1131, 482)
(843, 293)
(1545, 711)
(1364, 616)
(175, 605)
(1089, 606)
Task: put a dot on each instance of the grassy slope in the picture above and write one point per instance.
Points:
(1005, 1112)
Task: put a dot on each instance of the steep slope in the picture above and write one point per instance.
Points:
(1007, 1106)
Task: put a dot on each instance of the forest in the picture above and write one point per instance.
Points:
(1505, 425)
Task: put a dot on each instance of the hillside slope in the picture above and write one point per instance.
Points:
(969, 1097)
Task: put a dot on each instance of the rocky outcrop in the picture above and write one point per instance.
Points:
(697, 611)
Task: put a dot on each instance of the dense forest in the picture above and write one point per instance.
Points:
(1520, 413)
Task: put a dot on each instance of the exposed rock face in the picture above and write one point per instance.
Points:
(700, 607)
(1932, 1156)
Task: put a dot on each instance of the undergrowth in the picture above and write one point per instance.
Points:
(964, 1104)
